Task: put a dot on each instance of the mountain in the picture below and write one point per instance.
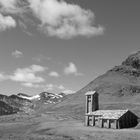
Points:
(23, 94)
(51, 97)
(28, 104)
(14, 100)
(13, 104)
(45, 97)
(118, 88)
(6, 109)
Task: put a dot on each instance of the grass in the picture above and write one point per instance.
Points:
(52, 127)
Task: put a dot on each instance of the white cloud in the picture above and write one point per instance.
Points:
(54, 74)
(37, 68)
(72, 69)
(52, 87)
(14, 6)
(28, 75)
(61, 87)
(67, 91)
(3, 77)
(27, 84)
(17, 53)
(31, 85)
(41, 58)
(64, 20)
(21, 76)
(6, 22)
(58, 17)
(58, 88)
(24, 27)
(8, 3)
(49, 87)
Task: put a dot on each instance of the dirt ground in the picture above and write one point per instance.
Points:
(52, 126)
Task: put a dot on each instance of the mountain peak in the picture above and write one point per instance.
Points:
(25, 103)
(23, 94)
(133, 60)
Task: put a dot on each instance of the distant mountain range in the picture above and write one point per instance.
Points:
(44, 96)
(25, 103)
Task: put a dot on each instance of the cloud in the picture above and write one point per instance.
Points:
(28, 75)
(41, 58)
(31, 85)
(54, 74)
(67, 91)
(24, 28)
(6, 22)
(14, 7)
(58, 88)
(3, 77)
(56, 17)
(49, 87)
(17, 53)
(64, 20)
(37, 68)
(28, 84)
(72, 69)
(20, 76)
(8, 3)
(61, 87)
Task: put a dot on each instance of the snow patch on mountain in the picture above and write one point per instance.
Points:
(30, 98)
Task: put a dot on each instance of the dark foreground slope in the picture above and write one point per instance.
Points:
(12, 104)
(5, 109)
(118, 88)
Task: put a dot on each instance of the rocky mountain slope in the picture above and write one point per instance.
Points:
(45, 97)
(118, 88)
(6, 109)
(13, 104)
(25, 103)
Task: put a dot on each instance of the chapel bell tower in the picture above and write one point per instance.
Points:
(91, 101)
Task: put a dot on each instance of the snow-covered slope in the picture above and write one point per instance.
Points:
(30, 97)
(44, 97)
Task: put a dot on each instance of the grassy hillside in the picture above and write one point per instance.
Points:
(118, 88)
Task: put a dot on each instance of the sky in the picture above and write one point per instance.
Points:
(60, 46)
